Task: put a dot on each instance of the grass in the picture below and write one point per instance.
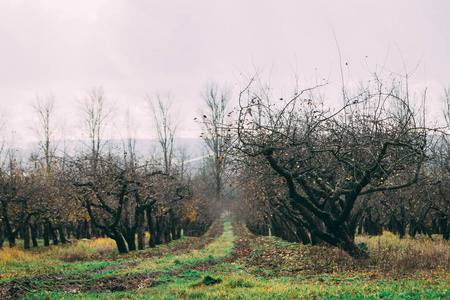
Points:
(215, 251)
(275, 269)
(257, 288)
(86, 250)
(389, 253)
(292, 289)
(82, 255)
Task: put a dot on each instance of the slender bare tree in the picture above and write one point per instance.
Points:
(216, 132)
(446, 101)
(129, 142)
(96, 113)
(45, 127)
(165, 124)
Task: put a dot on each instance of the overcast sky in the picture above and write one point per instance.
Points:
(135, 47)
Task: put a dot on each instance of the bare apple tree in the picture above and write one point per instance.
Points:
(326, 159)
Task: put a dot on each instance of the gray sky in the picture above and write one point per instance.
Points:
(134, 48)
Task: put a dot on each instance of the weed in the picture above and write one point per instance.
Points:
(238, 282)
(208, 280)
(362, 246)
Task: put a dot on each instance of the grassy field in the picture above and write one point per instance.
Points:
(229, 263)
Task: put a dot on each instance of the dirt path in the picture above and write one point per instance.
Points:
(242, 245)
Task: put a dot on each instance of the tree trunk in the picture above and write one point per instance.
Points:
(412, 228)
(68, 230)
(173, 226)
(53, 235)
(26, 236)
(140, 219)
(94, 231)
(151, 229)
(167, 229)
(2, 235)
(159, 231)
(354, 250)
(34, 234)
(179, 231)
(130, 238)
(301, 232)
(12, 239)
(445, 226)
(10, 233)
(62, 237)
(120, 242)
(46, 234)
(87, 232)
(347, 243)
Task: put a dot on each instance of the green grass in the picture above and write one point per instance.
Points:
(237, 287)
(215, 251)
(275, 269)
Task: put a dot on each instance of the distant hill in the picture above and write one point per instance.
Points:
(190, 149)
